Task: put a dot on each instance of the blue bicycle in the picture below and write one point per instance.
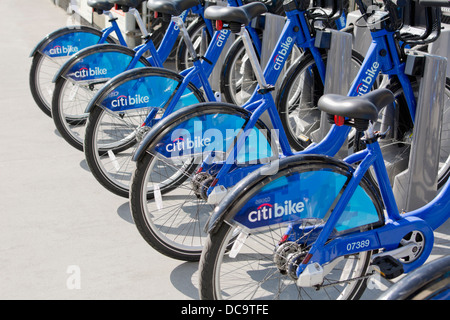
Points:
(84, 73)
(56, 48)
(170, 185)
(318, 227)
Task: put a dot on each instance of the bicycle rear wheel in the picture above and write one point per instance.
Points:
(115, 128)
(52, 54)
(168, 195)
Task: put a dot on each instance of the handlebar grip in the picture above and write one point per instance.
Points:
(435, 3)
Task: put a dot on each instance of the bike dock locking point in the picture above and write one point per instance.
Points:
(337, 77)
(418, 185)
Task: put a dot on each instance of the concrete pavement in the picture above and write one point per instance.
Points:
(57, 221)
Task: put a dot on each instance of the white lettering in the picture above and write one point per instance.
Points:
(281, 54)
(266, 211)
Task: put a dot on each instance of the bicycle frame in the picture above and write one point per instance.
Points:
(197, 75)
(157, 57)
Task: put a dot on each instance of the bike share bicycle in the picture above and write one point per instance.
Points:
(56, 48)
(168, 191)
(318, 227)
(84, 73)
(110, 127)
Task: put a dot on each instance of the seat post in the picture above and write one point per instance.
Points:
(253, 58)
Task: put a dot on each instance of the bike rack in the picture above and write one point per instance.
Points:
(337, 78)
(416, 186)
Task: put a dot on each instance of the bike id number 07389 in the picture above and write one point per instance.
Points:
(358, 245)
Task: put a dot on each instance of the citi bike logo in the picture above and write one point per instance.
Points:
(281, 54)
(266, 211)
(215, 143)
(57, 50)
(88, 72)
(222, 37)
(365, 84)
(127, 101)
(187, 144)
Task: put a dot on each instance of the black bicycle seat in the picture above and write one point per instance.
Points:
(241, 15)
(102, 5)
(171, 7)
(128, 3)
(365, 107)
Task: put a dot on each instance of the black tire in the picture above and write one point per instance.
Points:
(252, 272)
(71, 128)
(41, 102)
(119, 133)
(42, 99)
(300, 140)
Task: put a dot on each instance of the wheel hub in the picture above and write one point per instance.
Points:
(418, 239)
(200, 184)
(283, 255)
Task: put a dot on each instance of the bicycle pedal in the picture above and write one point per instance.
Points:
(390, 267)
